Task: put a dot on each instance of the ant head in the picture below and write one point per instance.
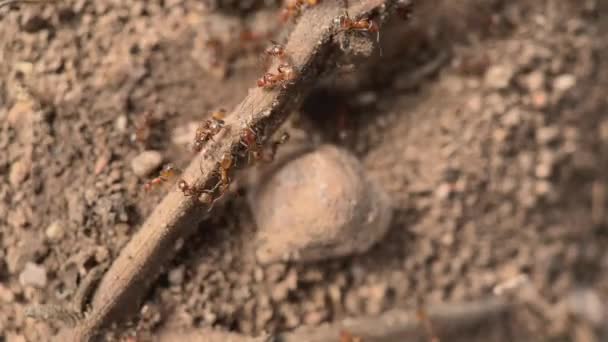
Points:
(182, 185)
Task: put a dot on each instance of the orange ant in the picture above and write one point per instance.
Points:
(285, 74)
(225, 166)
(168, 172)
(208, 129)
(187, 189)
(345, 23)
(249, 139)
(275, 50)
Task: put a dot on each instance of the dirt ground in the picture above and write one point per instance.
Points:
(484, 121)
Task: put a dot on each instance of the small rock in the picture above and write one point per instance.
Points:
(564, 82)
(6, 295)
(121, 124)
(54, 232)
(499, 76)
(587, 304)
(146, 162)
(345, 211)
(20, 170)
(547, 135)
(176, 276)
(535, 81)
(33, 275)
(183, 135)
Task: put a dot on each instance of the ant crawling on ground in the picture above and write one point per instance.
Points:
(169, 172)
(208, 129)
(286, 73)
(345, 23)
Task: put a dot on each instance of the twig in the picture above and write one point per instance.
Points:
(399, 325)
(311, 48)
(394, 325)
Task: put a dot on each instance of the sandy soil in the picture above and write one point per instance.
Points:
(486, 125)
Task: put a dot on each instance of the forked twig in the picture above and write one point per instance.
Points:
(311, 47)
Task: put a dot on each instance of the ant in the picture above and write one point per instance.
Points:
(208, 129)
(249, 139)
(285, 74)
(293, 8)
(168, 172)
(225, 166)
(275, 50)
(345, 23)
(188, 190)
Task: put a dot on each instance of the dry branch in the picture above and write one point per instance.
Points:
(393, 326)
(311, 47)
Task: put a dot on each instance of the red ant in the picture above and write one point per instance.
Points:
(345, 23)
(275, 50)
(168, 172)
(285, 74)
(249, 139)
(208, 129)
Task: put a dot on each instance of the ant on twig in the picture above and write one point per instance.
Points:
(345, 23)
(286, 73)
(208, 129)
(168, 172)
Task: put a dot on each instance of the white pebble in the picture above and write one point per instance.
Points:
(54, 231)
(146, 162)
(33, 275)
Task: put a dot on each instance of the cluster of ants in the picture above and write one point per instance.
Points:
(254, 151)
(250, 139)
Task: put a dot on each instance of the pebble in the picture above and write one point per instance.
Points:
(121, 124)
(345, 212)
(587, 304)
(33, 275)
(546, 135)
(54, 232)
(535, 81)
(20, 170)
(6, 295)
(176, 276)
(146, 162)
(499, 76)
(564, 82)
